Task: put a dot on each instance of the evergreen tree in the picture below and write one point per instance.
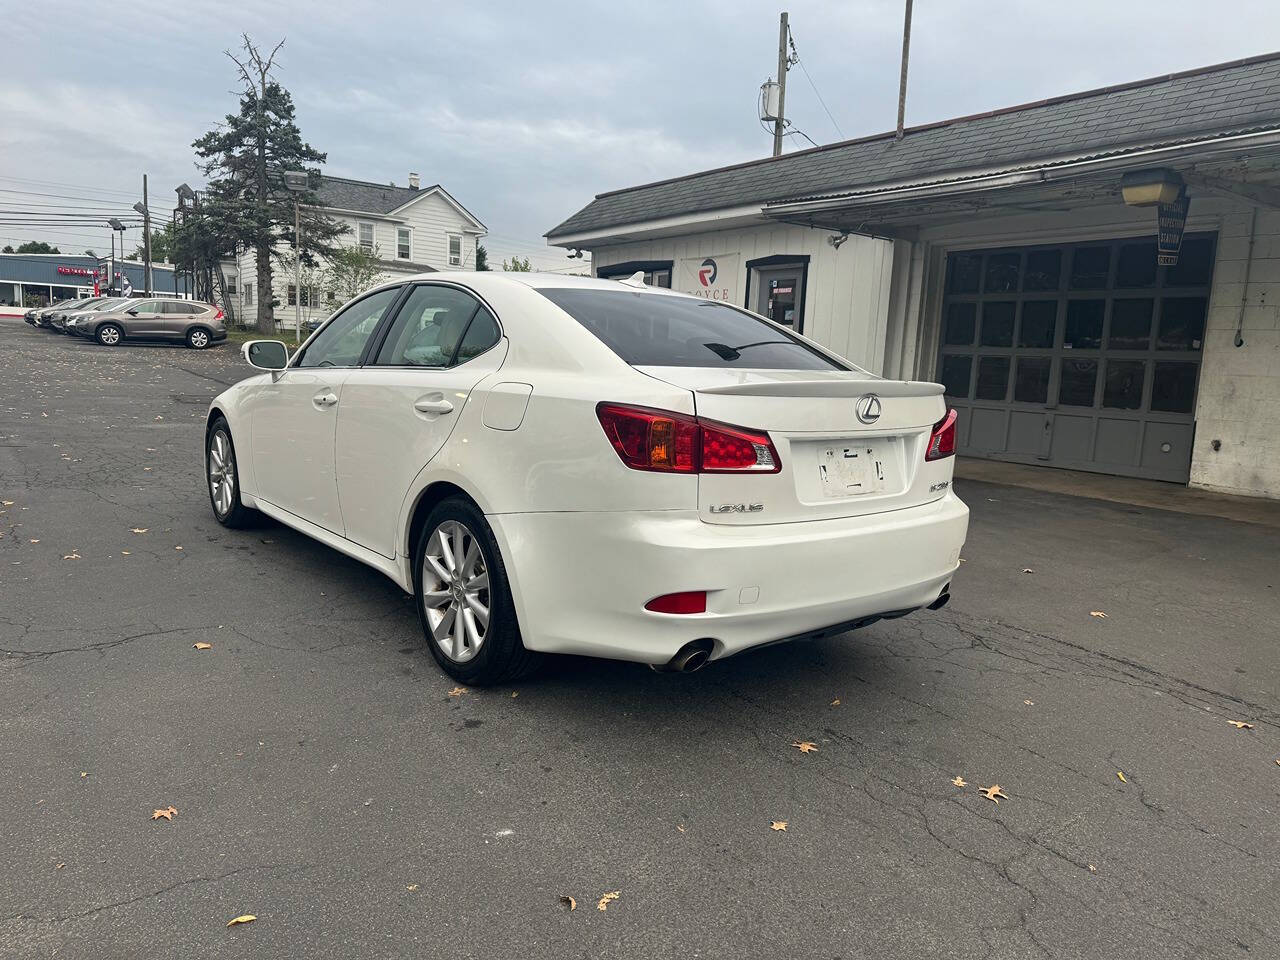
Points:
(482, 257)
(245, 159)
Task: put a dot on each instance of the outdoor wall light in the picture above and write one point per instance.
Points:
(1146, 188)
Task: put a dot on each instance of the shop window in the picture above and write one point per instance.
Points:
(8, 295)
(1084, 325)
(1173, 387)
(961, 324)
(1181, 323)
(1136, 265)
(963, 272)
(1002, 273)
(1039, 324)
(1195, 264)
(993, 378)
(1123, 387)
(956, 372)
(1130, 324)
(997, 323)
(1090, 267)
(1076, 382)
(1044, 270)
(1031, 384)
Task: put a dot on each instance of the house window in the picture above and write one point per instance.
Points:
(248, 294)
(231, 285)
(366, 237)
(455, 250)
(403, 237)
(292, 298)
(330, 297)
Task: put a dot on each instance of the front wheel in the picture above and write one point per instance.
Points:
(197, 338)
(224, 478)
(464, 599)
(109, 334)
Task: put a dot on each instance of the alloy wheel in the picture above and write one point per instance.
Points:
(199, 339)
(109, 335)
(455, 591)
(222, 473)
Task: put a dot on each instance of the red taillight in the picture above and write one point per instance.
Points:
(942, 442)
(691, 601)
(218, 315)
(667, 442)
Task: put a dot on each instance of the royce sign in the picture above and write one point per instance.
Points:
(78, 271)
(713, 278)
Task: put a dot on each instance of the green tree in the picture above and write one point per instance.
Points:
(482, 257)
(34, 246)
(350, 271)
(7, 249)
(516, 265)
(161, 245)
(245, 159)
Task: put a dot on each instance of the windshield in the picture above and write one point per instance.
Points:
(646, 329)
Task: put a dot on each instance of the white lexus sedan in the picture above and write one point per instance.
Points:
(569, 465)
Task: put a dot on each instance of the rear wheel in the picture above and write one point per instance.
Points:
(197, 338)
(109, 334)
(464, 599)
(224, 478)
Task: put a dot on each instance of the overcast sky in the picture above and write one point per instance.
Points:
(524, 110)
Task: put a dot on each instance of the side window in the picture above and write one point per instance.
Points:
(480, 336)
(342, 341)
(147, 309)
(428, 328)
(175, 307)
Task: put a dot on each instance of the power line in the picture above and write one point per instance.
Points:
(75, 186)
(816, 93)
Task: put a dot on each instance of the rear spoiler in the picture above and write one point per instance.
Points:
(828, 388)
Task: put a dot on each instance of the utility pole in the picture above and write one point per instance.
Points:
(295, 181)
(902, 81)
(146, 240)
(784, 64)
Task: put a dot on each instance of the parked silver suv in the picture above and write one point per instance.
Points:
(178, 321)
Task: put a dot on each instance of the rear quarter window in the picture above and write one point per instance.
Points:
(646, 329)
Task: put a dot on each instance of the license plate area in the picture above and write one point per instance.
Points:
(855, 468)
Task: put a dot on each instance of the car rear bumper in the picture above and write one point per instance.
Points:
(581, 580)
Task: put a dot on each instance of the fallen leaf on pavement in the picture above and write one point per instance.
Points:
(960, 781)
(1240, 724)
(168, 813)
(680, 826)
(1027, 570)
(33, 541)
(805, 746)
(59, 866)
(1097, 613)
(569, 902)
(412, 886)
(72, 556)
(1092, 868)
(778, 825)
(514, 694)
(608, 898)
(201, 645)
(139, 530)
(994, 793)
(244, 918)
(124, 553)
(1120, 774)
(177, 548)
(1029, 703)
(7, 503)
(83, 774)
(835, 702)
(458, 691)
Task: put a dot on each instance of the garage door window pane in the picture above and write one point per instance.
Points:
(1032, 383)
(1002, 273)
(997, 324)
(993, 378)
(1084, 325)
(961, 324)
(1181, 323)
(963, 272)
(955, 376)
(1044, 269)
(1078, 378)
(1089, 267)
(1173, 388)
(1136, 265)
(1130, 324)
(1039, 321)
(1123, 390)
(1195, 264)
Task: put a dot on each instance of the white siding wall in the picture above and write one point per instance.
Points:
(432, 219)
(846, 300)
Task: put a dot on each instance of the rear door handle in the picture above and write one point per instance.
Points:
(433, 405)
(325, 399)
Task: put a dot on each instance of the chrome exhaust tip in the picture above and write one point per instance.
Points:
(943, 599)
(690, 658)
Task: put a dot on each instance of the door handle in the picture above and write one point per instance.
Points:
(430, 405)
(327, 399)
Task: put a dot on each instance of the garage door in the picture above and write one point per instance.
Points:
(1083, 356)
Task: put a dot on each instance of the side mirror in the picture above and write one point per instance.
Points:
(132, 311)
(266, 354)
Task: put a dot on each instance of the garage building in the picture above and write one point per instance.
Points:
(1095, 278)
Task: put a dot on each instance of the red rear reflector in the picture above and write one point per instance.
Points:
(942, 442)
(659, 440)
(692, 601)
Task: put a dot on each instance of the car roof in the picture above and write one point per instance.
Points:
(536, 281)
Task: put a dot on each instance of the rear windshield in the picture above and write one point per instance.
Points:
(646, 329)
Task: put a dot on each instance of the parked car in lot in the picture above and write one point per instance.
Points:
(192, 322)
(585, 466)
(60, 320)
(33, 315)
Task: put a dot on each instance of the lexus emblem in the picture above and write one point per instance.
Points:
(868, 408)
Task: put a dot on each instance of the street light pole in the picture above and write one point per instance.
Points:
(296, 182)
(143, 209)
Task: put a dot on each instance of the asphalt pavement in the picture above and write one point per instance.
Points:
(331, 782)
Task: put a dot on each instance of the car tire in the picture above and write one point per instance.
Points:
(109, 335)
(449, 607)
(220, 467)
(198, 338)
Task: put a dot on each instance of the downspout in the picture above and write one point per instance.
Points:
(1244, 289)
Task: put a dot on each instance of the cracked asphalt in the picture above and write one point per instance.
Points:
(327, 782)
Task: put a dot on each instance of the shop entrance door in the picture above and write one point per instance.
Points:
(778, 295)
